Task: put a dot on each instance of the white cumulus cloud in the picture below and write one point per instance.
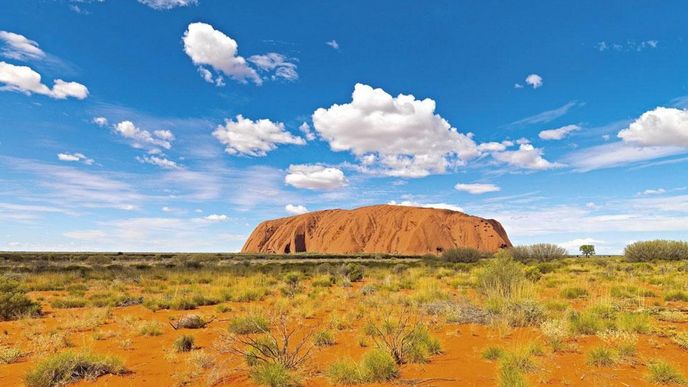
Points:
(558, 134)
(476, 188)
(19, 47)
(253, 138)
(534, 81)
(657, 133)
(295, 209)
(526, 157)
(315, 177)
(100, 121)
(207, 46)
(141, 138)
(404, 134)
(659, 127)
(216, 218)
(25, 80)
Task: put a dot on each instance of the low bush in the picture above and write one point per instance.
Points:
(345, 372)
(351, 271)
(378, 366)
(676, 295)
(601, 357)
(150, 328)
(184, 344)
(574, 292)
(492, 353)
(68, 303)
(421, 345)
(656, 250)
(190, 321)
(324, 338)
(661, 372)
(462, 254)
(14, 302)
(9, 355)
(502, 276)
(273, 375)
(244, 325)
(68, 367)
(541, 252)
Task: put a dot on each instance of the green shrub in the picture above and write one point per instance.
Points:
(68, 303)
(273, 375)
(420, 346)
(510, 376)
(68, 367)
(676, 295)
(502, 276)
(601, 357)
(492, 353)
(462, 254)
(324, 338)
(243, 325)
(524, 313)
(655, 250)
(14, 302)
(345, 372)
(184, 344)
(541, 252)
(351, 271)
(681, 339)
(150, 328)
(574, 292)
(585, 323)
(9, 355)
(323, 281)
(378, 366)
(633, 322)
(661, 372)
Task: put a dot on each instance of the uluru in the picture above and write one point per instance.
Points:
(390, 229)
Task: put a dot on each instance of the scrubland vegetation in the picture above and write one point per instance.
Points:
(524, 316)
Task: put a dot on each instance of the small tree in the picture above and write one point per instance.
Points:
(587, 250)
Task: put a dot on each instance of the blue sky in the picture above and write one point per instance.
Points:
(178, 125)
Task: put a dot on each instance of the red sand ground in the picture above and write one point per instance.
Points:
(460, 363)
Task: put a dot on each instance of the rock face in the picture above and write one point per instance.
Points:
(377, 229)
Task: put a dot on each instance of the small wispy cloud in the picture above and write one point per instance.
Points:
(80, 157)
(546, 116)
(627, 46)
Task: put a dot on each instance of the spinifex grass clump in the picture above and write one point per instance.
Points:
(243, 325)
(274, 355)
(184, 343)
(404, 337)
(661, 372)
(377, 366)
(502, 276)
(68, 367)
(13, 301)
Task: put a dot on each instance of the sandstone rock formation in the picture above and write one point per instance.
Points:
(377, 229)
